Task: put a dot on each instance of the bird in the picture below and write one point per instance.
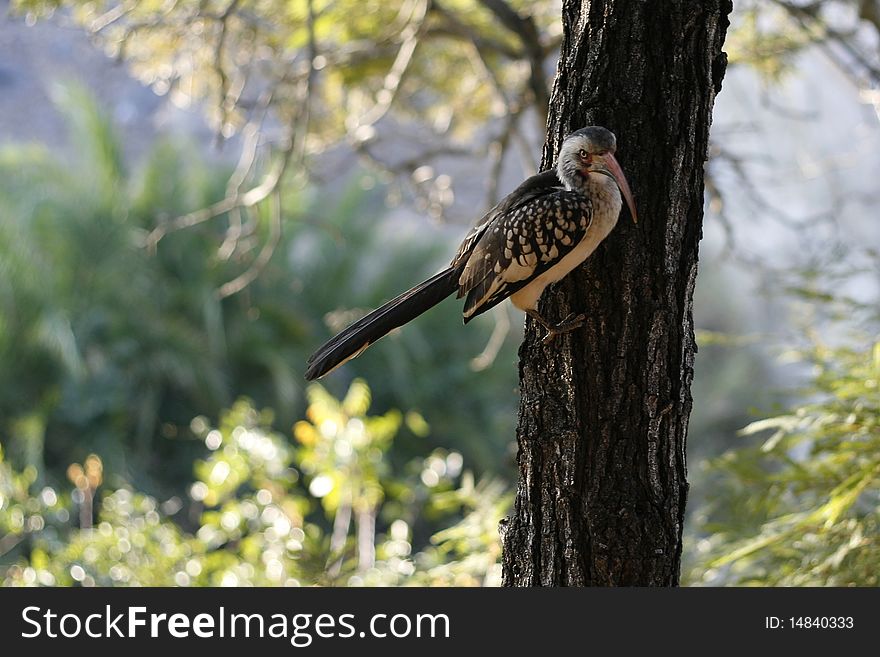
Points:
(533, 237)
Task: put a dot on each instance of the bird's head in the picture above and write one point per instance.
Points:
(587, 153)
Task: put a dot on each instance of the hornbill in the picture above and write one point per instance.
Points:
(535, 236)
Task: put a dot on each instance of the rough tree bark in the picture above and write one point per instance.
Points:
(604, 410)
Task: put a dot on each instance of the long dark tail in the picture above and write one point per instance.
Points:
(397, 312)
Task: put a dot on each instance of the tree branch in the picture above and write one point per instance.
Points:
(524, 27)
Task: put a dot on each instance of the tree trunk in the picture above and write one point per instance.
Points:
(604, 411)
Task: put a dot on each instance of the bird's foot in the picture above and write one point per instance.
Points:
(568, 324)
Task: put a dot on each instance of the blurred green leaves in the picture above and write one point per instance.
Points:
(107, 348)
(255, 520)
(341, 64)
(800, 507)
(100, 340)
(110, 350)
(766, 38)
(342, 446)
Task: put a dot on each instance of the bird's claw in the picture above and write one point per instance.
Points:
(570, 323)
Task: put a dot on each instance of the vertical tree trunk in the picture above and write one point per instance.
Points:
(604, 411)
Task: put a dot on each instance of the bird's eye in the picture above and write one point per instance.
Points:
(583, 154)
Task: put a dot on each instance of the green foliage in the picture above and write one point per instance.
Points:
(338, 277)
(769, 35)
(348, 60)
(109, 348)
(256, 521)
(100, 340)
(800, 506)
(469, 552)
(343, 449)
(766, 38)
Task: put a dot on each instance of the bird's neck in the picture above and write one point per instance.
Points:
(599, 188)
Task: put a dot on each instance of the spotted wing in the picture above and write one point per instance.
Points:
(533, 187)
(521, 244)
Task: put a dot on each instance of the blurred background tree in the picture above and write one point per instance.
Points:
(145, 291)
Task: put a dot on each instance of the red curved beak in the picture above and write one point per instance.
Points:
(613, 169)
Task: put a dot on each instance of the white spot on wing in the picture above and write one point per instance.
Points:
(517, 272)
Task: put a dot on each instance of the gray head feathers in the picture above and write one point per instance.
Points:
(592, 139)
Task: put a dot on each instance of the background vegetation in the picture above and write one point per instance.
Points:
(156, 312)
